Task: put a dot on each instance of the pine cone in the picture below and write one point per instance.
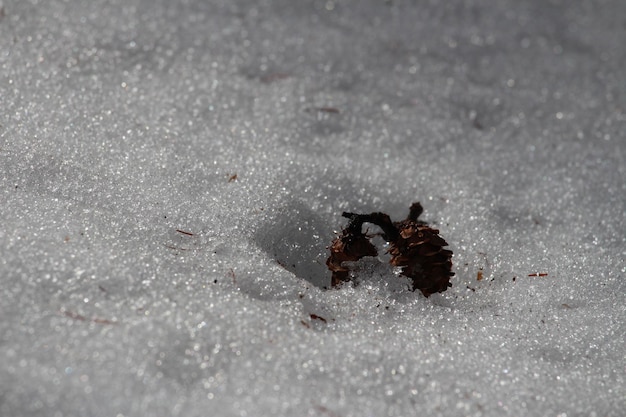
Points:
(419, 252)
(352, 245)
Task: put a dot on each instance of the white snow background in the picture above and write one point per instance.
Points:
(172, 172)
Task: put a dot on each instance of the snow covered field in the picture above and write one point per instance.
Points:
(172, 172)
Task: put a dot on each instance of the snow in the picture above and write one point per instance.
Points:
(172, 172)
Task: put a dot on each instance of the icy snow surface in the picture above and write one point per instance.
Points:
(173, 171)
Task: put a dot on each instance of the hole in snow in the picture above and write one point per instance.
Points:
(297, 238)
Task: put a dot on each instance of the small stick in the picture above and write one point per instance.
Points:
(80, 317)
(323, 109)
(316, 317)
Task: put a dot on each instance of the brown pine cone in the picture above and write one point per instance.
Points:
(352, 245)
(419, 252)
